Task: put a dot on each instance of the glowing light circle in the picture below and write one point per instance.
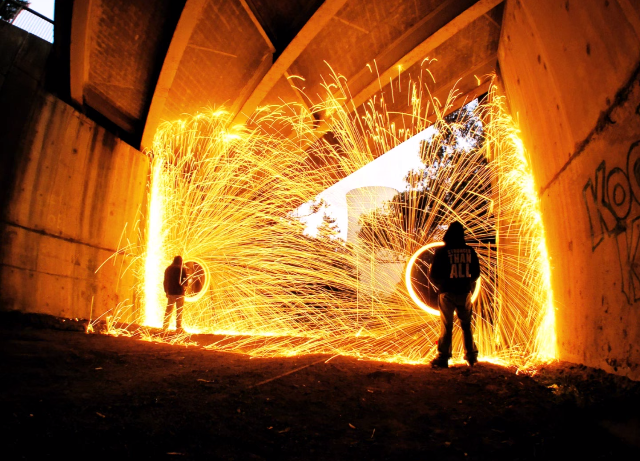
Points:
(205, 283)
(414, 295)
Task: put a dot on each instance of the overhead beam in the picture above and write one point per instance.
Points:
(411, 38)
(296, 90)
(481, 74)
(189, 17)
(258, 75)
(420, 52)
(256, 23)
(79, 49)
(299, 43)
(414, 54)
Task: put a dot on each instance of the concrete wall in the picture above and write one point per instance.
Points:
(570, 71)
(69, 189)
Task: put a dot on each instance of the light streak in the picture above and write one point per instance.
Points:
(409, 282)
(224, 199)
(153, 257)
(205, 275)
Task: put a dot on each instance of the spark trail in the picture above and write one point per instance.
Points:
(225, 199)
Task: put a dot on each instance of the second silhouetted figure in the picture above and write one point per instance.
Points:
(454, 272)
(175, 281)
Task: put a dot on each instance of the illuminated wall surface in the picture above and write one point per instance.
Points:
(564, 193)
(571, 78)
(71, 195)
(84, 190)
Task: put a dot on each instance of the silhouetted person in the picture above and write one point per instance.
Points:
(175, 281)
(454, 272)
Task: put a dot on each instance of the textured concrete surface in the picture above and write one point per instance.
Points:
(247, 48)
(570, 70)
(78, 194)
(127, 42)
(72, 195)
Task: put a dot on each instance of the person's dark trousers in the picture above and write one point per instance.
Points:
(460, 303)
(173, 300)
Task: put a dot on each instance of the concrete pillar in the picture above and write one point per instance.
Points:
(571, 75)
(72, 196)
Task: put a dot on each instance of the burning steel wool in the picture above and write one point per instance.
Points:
(225, 200)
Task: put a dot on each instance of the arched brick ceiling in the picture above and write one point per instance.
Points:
(126, 42)
(136, 65)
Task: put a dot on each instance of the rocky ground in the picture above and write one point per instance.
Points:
(71, 395)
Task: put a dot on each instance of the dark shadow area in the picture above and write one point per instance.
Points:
(67, 395)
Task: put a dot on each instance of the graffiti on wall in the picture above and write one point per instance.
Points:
(609, 197)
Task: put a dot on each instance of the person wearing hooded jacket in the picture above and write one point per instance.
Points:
(175, 281)
(454, 272)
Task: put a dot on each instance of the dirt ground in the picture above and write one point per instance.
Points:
(70, 395)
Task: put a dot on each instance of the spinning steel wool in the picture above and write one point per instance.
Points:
(225, 199)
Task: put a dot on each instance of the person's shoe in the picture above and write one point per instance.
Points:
(472, 361)
(439, 363)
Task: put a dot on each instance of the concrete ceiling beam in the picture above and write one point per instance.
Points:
(189, 17)
(259, 26)
(423, 49)
(405, 43)
(299, 43)
(418, 52)
(301, 99)
(258, 75)
(79, 49)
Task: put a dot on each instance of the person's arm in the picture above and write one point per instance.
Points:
(475, 265)
(165, 282)
(184, 276)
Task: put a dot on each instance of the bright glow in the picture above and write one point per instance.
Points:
(205, 285)
(44, 7)
(154, 258)
(519, 205)
(524, 203)
(388, 170)
(227, 201)
(409, 283)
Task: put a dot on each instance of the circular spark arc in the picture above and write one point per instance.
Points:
(205, 285)
(409, 284)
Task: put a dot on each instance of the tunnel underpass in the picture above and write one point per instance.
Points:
(81, 118)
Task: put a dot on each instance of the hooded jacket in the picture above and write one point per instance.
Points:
(175, 278)
(455, 266)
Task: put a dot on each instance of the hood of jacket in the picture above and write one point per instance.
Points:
(454, 235)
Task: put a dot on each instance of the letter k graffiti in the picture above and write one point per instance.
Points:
(628, 243)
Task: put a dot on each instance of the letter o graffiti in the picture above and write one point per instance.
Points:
(633, 169)
(619, 193)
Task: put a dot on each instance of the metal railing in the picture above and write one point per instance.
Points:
(25, 18)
